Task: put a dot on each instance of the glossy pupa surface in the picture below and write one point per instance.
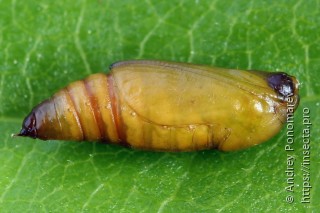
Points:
(167, 106)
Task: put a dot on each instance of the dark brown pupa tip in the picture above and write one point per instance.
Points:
(29, 128)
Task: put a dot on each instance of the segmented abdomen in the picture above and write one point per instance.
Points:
(81, 111)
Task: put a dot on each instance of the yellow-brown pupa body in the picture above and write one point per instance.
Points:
(167, 106)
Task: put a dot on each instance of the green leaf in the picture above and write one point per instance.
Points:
(47, 44)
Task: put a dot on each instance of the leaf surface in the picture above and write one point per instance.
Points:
(47, 44)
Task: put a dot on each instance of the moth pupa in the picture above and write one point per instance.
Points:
(167, 106)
